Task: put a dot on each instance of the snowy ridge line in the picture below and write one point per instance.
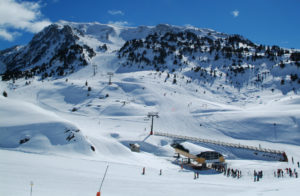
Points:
(218, 143)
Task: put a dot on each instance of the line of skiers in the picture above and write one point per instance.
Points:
(233, 172)
(289, 172)
(238, 174)
(257, 175)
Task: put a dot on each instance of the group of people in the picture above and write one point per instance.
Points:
(218, 168)
(235, 173)
(257, 175)
(288, 171)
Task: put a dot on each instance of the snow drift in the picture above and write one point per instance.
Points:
(25, 126)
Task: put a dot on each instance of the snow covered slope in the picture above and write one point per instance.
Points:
(112, 116)
(199, 54)
(61, 130)
(27, 127)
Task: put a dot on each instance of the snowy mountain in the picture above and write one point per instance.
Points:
(199, 54)
(50, 52)
(62, 123)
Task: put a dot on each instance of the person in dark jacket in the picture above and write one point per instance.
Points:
(255, 176)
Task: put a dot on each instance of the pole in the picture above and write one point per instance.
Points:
(31, 184)
(99, 192)
(151, 133)
(275, 135)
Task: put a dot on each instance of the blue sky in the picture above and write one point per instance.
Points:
(269, 22)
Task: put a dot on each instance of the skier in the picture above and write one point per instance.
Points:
(143, 171)
(298, 164)
(255, 174)
(160, 172)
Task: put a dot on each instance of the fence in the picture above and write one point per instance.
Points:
(207, 141)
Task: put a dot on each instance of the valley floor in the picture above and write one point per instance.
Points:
(81, 175)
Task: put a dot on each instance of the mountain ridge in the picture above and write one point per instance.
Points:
(198, 54)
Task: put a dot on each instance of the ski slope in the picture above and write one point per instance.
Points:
(58, 175)
(110, 117)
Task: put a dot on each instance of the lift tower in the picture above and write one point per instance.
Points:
(152, 115)
(110, 74)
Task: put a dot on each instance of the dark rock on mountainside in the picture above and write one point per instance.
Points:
(52, 52)
(200, 54)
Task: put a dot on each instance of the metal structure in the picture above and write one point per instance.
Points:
(95, 69)
(152, 115)
(257, 151)
(110, 74)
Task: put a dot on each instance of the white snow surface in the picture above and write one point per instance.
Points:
(109, 117)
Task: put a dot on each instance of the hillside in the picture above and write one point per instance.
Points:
(61, 122)
(199, 54)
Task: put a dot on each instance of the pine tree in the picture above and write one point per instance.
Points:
(174, 81)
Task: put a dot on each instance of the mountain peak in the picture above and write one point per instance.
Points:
(200, 54)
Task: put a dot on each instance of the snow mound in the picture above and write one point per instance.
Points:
(38, 130)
